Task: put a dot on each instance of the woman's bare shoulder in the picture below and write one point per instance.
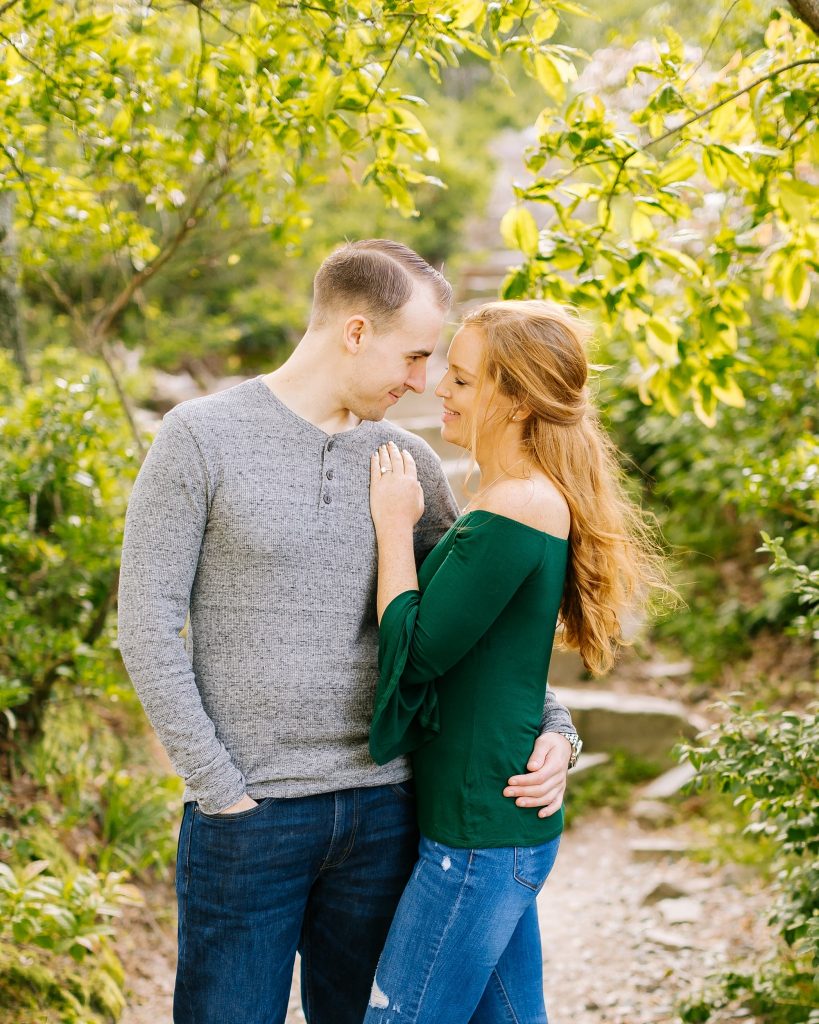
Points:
(534, 502)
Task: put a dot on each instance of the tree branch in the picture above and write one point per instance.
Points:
(605, 223)
(710, 45)
(388, 68)
(7, 6)
(64, 300)
(728, 99)
(108, 358)
(23, 178)
(105, 318)
(28, 60)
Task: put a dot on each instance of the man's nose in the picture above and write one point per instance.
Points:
(417, 380)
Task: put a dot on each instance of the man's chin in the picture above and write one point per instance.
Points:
(374, 413)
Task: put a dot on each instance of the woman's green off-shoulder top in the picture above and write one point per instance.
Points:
(463, 665)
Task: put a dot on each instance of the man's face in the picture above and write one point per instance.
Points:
(394, 361)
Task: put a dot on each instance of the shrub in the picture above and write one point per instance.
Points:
(771, 764)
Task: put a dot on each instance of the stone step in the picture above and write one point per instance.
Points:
(647, 727)
(653, 848)
(669, 783)
(652, 813)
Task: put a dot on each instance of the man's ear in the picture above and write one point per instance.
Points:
(355, 329)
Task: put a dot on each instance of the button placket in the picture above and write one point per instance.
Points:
(328, 472)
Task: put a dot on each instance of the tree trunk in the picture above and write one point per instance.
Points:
(11, 328)
(808, 11)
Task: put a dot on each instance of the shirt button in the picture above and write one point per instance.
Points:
(330, 444)
(329, 474)
(327, 499)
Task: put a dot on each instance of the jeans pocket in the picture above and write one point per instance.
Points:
(534, 863)
(238, 815)
(405, 789)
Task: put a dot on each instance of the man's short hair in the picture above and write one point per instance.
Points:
(377, 273)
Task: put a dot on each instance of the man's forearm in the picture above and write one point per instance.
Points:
(556, 717)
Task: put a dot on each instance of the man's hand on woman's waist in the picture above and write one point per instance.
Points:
(545, 783)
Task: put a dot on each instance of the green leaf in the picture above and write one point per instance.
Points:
(549, 77)
(796, 284)
(545, 26)
(467, 11)
(798, 199)
(713, 166)
(519, 230)
(729, 393)
(641, 226)
(679, 169)
(661, 338)
(516, 285)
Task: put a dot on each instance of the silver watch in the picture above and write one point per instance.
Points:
(577, 746)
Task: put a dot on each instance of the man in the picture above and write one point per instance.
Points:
(251, 512)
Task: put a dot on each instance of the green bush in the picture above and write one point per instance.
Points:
(717, 490)
(55, 951)
(770, 763)
(82, 808)
(66, 462)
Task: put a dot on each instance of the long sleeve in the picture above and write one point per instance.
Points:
(424, 635)
(164, 528)
(556, 716)
(404, 717)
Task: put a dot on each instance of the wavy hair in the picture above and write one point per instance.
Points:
(535, 355)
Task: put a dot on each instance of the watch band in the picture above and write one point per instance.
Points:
(577, 746)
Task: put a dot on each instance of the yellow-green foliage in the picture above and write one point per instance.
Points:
(674, 199)
(55, 953)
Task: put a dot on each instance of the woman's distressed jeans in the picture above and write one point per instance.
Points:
(464, 945)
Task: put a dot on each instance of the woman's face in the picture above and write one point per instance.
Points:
(458, 389)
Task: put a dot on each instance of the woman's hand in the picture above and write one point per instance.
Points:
(396, 498)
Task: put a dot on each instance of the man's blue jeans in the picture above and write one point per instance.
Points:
(465, 944)
(321, 874)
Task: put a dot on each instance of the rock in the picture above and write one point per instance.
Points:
(737, 874)
(670, 783)
(587, 762)
(147, 421)
(664, 891)
(681, 910)
(651, 813)
(223, 383)
(652, 848)
(169, 389)
(666, 669)
(668, 940)
(644, 726)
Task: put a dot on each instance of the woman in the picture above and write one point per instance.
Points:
(465, 647)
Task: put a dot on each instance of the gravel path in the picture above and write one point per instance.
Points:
(612, 956)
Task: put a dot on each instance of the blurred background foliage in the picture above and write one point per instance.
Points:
(166, 197)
